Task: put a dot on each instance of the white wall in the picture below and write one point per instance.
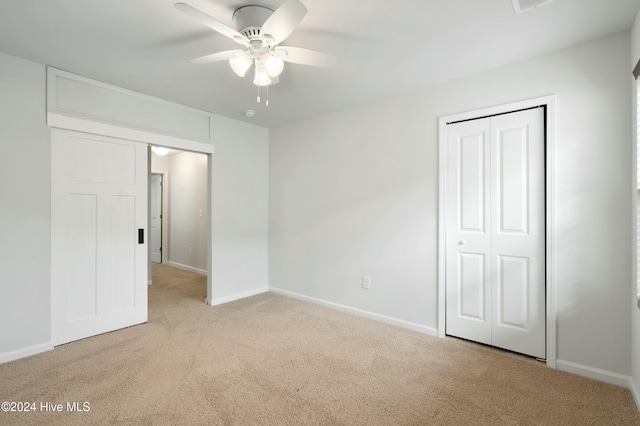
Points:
(356, 193)
(159, 163)
(635, 307)
(240, 197)
(25, 183)
(188, 210)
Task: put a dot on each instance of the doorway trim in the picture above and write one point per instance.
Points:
(549, 102)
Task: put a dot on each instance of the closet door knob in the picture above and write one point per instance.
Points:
(462, 242)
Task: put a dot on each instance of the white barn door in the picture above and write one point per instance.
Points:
(98, 241)
(495, 228)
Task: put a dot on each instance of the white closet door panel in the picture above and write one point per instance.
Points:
(468, 298)
(512, 189)
(518, 218)
(472, 286)
(512, 284)
(471, 178)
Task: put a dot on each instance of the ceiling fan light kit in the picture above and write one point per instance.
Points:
(260, 31)
(261, 78)
(273, 65)
(241, 63)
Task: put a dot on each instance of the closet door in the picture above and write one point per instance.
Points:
(518, 230)
(496, 289)
(468, 231)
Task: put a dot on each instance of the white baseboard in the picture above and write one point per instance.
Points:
(635, 391)
(186, 267)
(25, 352)
(595, 373)
(238, 296)
(371, 315)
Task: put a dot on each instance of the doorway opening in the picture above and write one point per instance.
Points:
(179, 211)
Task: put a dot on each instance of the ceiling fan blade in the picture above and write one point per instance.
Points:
(212, 23)
(216, 57)
(283, 21)
(299, 55)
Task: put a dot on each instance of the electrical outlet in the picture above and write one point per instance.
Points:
(366, 283)
(190, 250)
(243, 269)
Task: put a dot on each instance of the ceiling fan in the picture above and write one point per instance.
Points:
(260, 31)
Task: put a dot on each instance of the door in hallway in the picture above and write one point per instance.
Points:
(155, 218)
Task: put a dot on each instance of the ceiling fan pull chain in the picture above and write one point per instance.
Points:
(258, 94)
(267, 101)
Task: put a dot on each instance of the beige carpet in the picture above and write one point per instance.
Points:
(270, 359)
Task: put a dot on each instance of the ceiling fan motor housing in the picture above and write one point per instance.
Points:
(249, 19)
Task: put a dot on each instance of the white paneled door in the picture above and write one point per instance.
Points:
(98, 240)
(495, 230)
(155, 218)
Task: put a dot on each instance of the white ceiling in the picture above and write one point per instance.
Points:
(383, 47)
